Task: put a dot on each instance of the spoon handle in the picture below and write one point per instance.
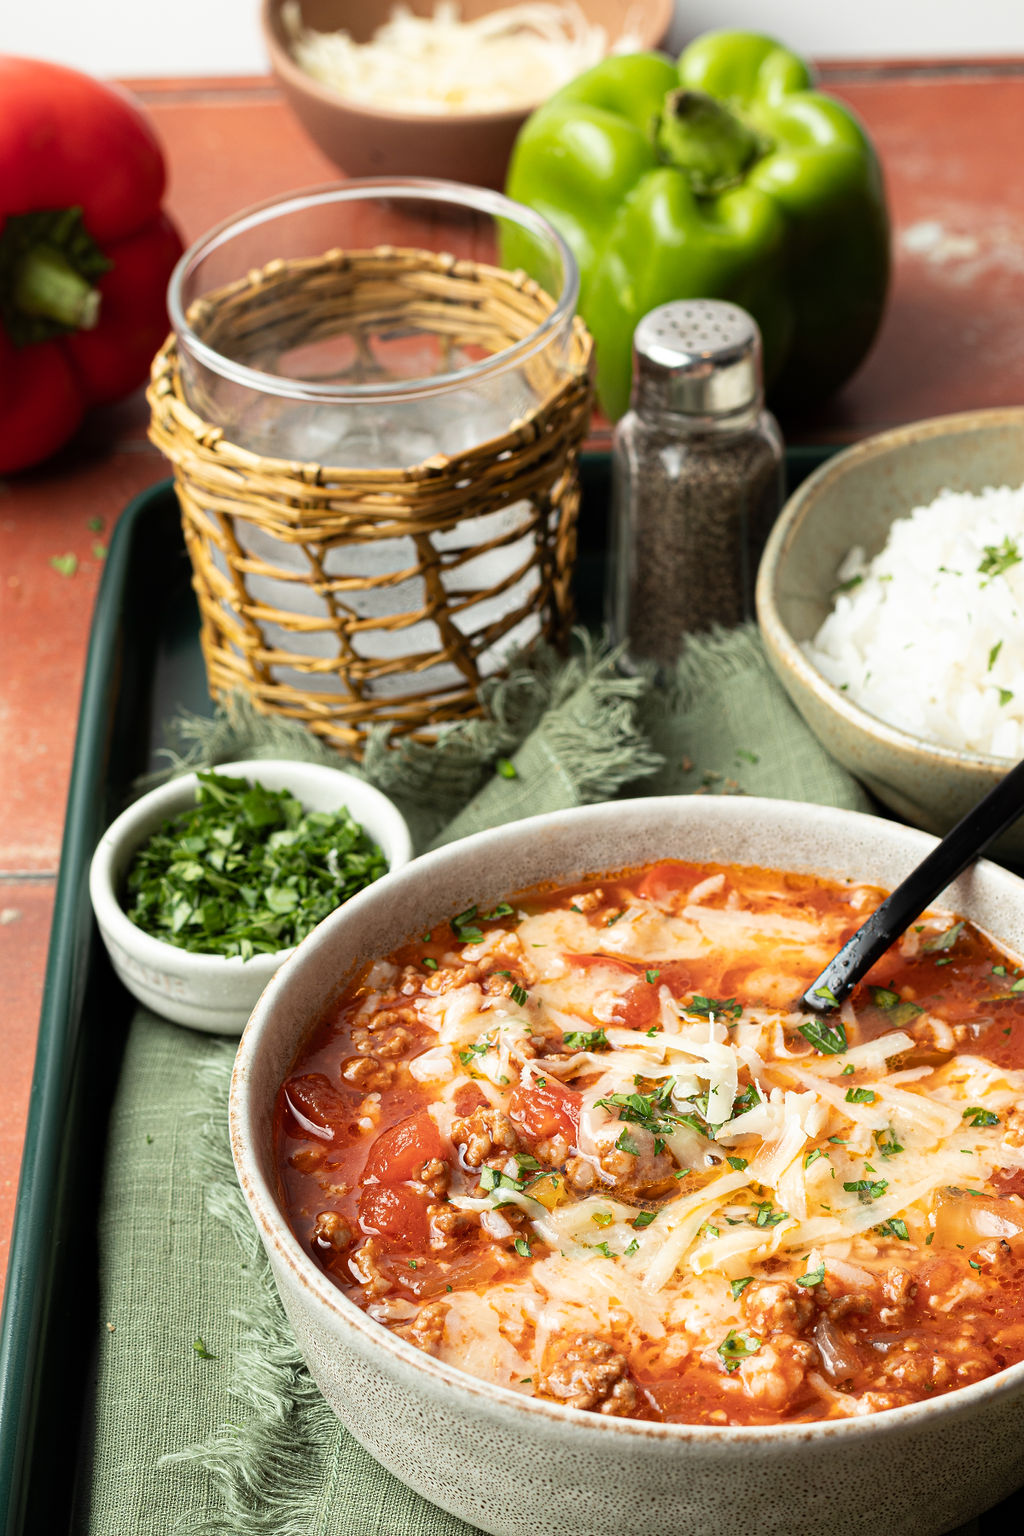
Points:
(960, 847)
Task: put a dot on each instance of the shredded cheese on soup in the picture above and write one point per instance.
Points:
(585, 1144)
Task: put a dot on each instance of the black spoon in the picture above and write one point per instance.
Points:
(967, 841)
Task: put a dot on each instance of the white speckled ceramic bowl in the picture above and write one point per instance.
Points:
(214, 992)
(518, 1466)
(853, 499)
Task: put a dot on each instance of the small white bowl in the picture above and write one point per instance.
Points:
(214, 992)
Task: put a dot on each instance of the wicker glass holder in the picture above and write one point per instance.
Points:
(343, 596)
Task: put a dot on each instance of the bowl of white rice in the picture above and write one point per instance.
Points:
(891, 603)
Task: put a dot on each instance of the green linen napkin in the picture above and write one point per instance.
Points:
(205, 1418)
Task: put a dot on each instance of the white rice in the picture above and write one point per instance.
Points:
(928, 634)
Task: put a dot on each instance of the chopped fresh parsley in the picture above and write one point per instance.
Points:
(736, 1347)
(625, 1143)
(900, 1010)
(886, 1142)
(704, 1007)
(739, 1286)
(867, 1189)
(767, 1216)
(998, 558)
(518, 994)
(602, 1218)
(202, 1351)
(247, 870)
(585, 1039)
(651, 977)
(860, 1096)
(643, 1219)
(978, 1116)
(940, 942)
(993, 653)
(501, 910)
(611, 921)
(894, 1227)
(813, 1276)
(632, 1247)
(828, 1038)
(465, 929)
(523, 1248)
(812, 1157)
(601, 1248)
(493, 1179)
(737, 1163)
(471, 1051)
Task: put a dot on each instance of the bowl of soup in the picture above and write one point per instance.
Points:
(583, 1226)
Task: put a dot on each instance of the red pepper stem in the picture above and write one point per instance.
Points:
(47, 285)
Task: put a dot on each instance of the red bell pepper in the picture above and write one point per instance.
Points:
(85, 253)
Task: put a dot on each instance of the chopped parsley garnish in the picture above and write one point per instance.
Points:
(506, 768)
(942, 941)
(998, 558)
(848, 1070)
(247, 870)
(493, 1179)
(738, 1163)
(867, 1189)
(632, 1247)
(886, 1142)
(625, 1143)
(978, 1116)
(651, 977)
(585, 1039)
(746, 1100)
(654, 1110)
(829, 1039)
(860, 1096)
(601, 1248)
(767, 1216)
(518, 994)
(202, 1351)
(894, 1227)
(704, 1007)
(812, 1157)
(644, 1219)
(1005, 695)
(813, 1276)
(739, 1286)
(501, 910)
(826, 994)
(523, 1248)
(602, 1218)
(465, 929)
(736, 1347)
(993, 653)
(466, 1056)
(609, 922)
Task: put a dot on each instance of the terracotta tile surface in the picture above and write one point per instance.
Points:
(953, 339)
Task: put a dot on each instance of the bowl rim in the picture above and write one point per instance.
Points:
(123, 836)
(394, 188)
(285, 65)
(267, 1213)
(780, 640)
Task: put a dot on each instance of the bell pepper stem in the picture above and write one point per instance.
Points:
(706, 141)
(47, 285)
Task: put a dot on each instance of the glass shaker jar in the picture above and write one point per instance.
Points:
(696, 479)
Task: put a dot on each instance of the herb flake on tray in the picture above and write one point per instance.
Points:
(247, 870)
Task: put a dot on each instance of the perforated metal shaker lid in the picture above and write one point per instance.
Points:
(697, 357)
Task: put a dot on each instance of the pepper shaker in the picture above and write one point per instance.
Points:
(696, 479)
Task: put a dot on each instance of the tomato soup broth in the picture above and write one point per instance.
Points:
(583, 1144)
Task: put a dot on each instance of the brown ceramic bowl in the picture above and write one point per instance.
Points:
(373, 141)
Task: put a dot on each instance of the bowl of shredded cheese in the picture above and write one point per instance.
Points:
(439, 87)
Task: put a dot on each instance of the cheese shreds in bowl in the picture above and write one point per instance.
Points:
(511, 58)
(928, 634)
(583, 1144)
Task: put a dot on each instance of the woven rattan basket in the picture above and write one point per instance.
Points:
(345, 597)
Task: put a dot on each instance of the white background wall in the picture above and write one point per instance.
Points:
(213, 37)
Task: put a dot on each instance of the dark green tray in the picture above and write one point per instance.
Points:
(144, 665)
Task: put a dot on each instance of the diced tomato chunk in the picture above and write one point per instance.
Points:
(664, 880)
(546, 1110)
(396, 1213)
(638, 1008)
(315, 1107)
(400, 1151)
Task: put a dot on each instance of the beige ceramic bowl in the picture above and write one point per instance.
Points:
(852, 499)
(517, 1466)
(369, 141)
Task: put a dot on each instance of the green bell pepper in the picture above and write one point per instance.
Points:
(723, 176)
